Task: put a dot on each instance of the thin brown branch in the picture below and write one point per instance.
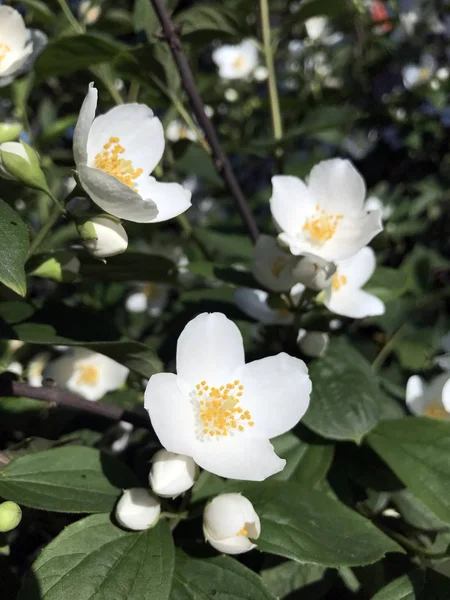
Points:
(55, 396)
(221, 161)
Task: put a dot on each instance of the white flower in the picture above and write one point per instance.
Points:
(374, 203)
(254, 303)
(326, 218)
(414, 75)
(314, 273)
(344, 296)
(138, 509)
(272, 266)
(115, 154)
(178, 130)
(87, 373)
(313, 343)
(236, 62)
(150, 297)
(431, 400)
(221, 411)
(112, 239)
(88, 13)
(230, 522)
(36, 367)
(124, 432)
(260, 73)
(15, 367)
(172, 474)
(315, 27)
(19, 46)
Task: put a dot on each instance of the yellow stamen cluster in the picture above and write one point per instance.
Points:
(109, 161)
(219, 408)
(435, 410)
(322, 226)
(338, 281)
(242, 531)
(88, 375)
(4, 51)
(239, 62)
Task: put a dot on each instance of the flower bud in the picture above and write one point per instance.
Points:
(138, 509)
(9, 131)
(103, 236)
(312, 343)
(272, 266)
(172, 474)
(20, 162)
(314, 272)
(229, 520)
(10, 516)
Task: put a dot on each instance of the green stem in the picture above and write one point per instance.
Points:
(387, 349)
(133, 93)
(272, 82)
(70, 17)
(45, 229)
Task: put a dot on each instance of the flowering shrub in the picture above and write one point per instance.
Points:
(224, 284)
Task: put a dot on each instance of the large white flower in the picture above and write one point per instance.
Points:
(431, 400)
(325, 218)
(19, 46)
(221, 411)
(236, 62)
(87, 373)
(115, 154)
(344, 296)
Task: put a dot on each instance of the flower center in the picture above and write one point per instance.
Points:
(242, 531)
(219, 409)
(239, 62)
(321, 226)
(424, 74)
(87, 375)
(435, 410)
(4, 51)
(338, 281)
(109, 161)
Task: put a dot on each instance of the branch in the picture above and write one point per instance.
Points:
(55, 396)
(221, 161)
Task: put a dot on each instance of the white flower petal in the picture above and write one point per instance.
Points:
(276, 393)
(209, 348)
(291, 203)
(353, 303)
(85, 120)
(140, 133)
(445, 396)
(13, 32)
(337, 186)
(272, 266)
(251, 459)
(254, 304)
(235, 545)
(171, 199)
(115, 197)
(358, 269)
(170, 413)
(351, 235)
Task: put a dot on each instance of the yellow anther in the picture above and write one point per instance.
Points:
(242, 531)
(435, 410)
(321, 226)
(4, 51)
(241, 387)
(203, 382)
(239, 62)
(251, 423)
(241, 428)
(218, 408)
(338, 281)
(88, 375)
(121, 168)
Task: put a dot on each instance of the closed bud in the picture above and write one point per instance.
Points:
(313, 343)
(314, 272)
(10, 516)
(19, 162)
(103, 236)
(272, 266)
(138, 509)
(172, 474)
(9, 131)
(230, 522)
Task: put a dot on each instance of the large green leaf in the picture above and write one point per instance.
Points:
(76, 52)
(207, 17)
(417, 449)
(289, 576)
(310, 527)
(417, 585)
(69, 479)
(13, 249)
(94, 560)
(131, 266)
(221, 578)
(345, 394)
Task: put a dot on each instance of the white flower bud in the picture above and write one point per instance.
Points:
(103, 236)
(9, 131)
(20, 162)
(314, 272)
(138, 509)
(172, 474)
(10, 516)
(313, 343)
(15, 148)
(229, 520)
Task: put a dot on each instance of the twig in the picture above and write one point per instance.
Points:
(221, 162)
(388, 348)
(55, 396)
(272, 81)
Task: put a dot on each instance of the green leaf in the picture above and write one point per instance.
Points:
(221, 578)
(14, 244)
(290, 576)
(315, 8)
(93, 560)
(310, 527)
(417, 450)
(40, 10)
(344, 399)
(131, 266)
(387, 284)
(144, 16)
(417, 585)
(76, 52)
(69, 479)
(207, 17)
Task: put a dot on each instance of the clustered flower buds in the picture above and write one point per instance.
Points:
(137, 509)
(172, 474)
